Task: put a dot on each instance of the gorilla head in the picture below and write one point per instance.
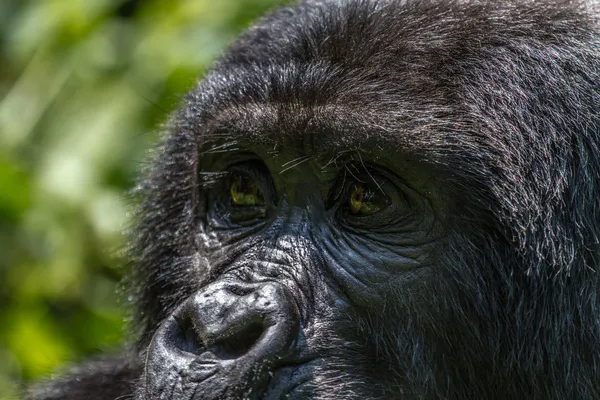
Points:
(373, 199)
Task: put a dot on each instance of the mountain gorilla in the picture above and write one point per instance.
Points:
(375, 199)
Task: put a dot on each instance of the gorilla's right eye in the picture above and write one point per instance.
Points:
(364, 200)
(362, 191)
(245, 192)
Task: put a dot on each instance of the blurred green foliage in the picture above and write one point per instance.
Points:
(83, 85)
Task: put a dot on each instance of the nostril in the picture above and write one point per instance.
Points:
(240, 290)
(240, 342)
(186, 339)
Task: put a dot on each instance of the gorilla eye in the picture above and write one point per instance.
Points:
(363, 200)
(241, 196)
(245, 192)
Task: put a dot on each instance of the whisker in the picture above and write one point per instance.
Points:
(369, 173)
(223, 148)
(302, 160)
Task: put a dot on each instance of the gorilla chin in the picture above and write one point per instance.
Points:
(374, 199)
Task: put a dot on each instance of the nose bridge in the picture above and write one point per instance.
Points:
(288, 257)
(287, 242)
(300, 199)
(295, 245)
(296, 221)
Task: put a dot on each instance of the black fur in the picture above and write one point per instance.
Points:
(493, 108)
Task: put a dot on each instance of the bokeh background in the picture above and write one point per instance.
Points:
(83, 86)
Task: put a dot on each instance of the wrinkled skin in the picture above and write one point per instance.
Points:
(374, 200)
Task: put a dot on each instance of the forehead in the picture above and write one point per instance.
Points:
(318, 109)
(324, 131)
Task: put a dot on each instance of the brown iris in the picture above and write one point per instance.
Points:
(245, 192)
(364, 201)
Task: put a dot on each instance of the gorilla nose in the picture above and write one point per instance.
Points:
(238, 320)
(252, 324)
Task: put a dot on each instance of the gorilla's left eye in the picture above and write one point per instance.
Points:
(245, 192)
(364, 200)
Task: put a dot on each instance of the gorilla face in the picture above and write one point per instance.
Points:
(373, 199)
(297, 241)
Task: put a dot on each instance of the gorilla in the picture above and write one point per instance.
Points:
(374, 199)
